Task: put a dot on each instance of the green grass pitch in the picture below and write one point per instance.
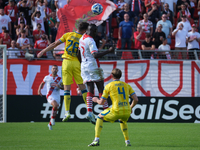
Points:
(76, 136)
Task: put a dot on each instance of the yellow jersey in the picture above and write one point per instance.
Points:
(119, 92)
(71, 46)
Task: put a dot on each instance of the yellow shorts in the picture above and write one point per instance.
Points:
(112, 117)
(71, 69)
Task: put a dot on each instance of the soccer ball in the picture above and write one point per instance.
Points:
(97, 9)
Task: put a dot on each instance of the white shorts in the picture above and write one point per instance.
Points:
(92, 75)
(53, 98)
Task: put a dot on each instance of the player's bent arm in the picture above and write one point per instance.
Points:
(135, 100)
(98, 55)
(100, 101)
(40, 87)
(49, 48)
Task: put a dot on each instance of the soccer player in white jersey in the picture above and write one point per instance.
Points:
(90, 68)
(54, 84)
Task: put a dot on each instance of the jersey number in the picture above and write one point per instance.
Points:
(122, 91)
(72, 48)
(83, 51)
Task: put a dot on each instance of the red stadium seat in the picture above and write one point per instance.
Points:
(115, 33)
(114, 23)
(127, 55)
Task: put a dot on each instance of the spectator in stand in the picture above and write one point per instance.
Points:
(153, 14)
(20, 28)
(158, 36)
(126, 32)
(6, 39)
(166, 27)
(186, 24)
(146, 46)
(147, 25)
(13, 51)
(37, 18)
(21, 18)
(60, 3)
(165, 48)
(127, 10)
(180, 40)
(171, 5)
(52, 21)
(42, 44)
(53, 33)
(11, 10)
(139, 37)
(120, 5)
(168, 12)
(98, 38)
(38, 32)
(180, 2)
(40, 7)
(147, 4)
(23, 43)
(5, 21)
(184, 10)
(3, 30)
(193, 41)
(137, 7)
(23, 7)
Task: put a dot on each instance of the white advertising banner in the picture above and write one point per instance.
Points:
(157, 78)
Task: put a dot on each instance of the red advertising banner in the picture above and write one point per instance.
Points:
(147, 77)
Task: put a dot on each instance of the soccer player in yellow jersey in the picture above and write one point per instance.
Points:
(119, 92)
(71, 64)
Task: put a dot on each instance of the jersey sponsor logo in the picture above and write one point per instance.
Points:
(121, 104)
(4, 21)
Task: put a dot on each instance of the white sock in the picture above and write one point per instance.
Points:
(66, 112)
(127, 141)
(96, 139)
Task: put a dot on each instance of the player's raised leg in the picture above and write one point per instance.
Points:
(90, 94)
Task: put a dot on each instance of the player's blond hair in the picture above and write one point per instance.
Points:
(117, 73)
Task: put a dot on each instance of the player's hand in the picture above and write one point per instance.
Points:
(95, 99)
(111, 49)
(40, 54)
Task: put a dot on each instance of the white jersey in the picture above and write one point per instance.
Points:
(53, 92)
(87, 47)
(90, 68)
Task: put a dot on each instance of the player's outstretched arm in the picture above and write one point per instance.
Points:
(40, 87)
(49, 48)
(98, 55)
(135, 100)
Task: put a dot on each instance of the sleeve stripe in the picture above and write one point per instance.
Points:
(104, 98)
(61, 41)
(132, 94)
(93, 51)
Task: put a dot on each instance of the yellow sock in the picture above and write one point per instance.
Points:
(67, 100)
(124, 129)
(98, 127)
(84, 95)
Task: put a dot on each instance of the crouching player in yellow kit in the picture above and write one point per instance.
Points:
(119, 92)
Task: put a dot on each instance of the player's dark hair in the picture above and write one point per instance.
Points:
(55, 66)
(92, 30)
(83, 26)
(117, 73)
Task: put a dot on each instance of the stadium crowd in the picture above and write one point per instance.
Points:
(155, 25)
